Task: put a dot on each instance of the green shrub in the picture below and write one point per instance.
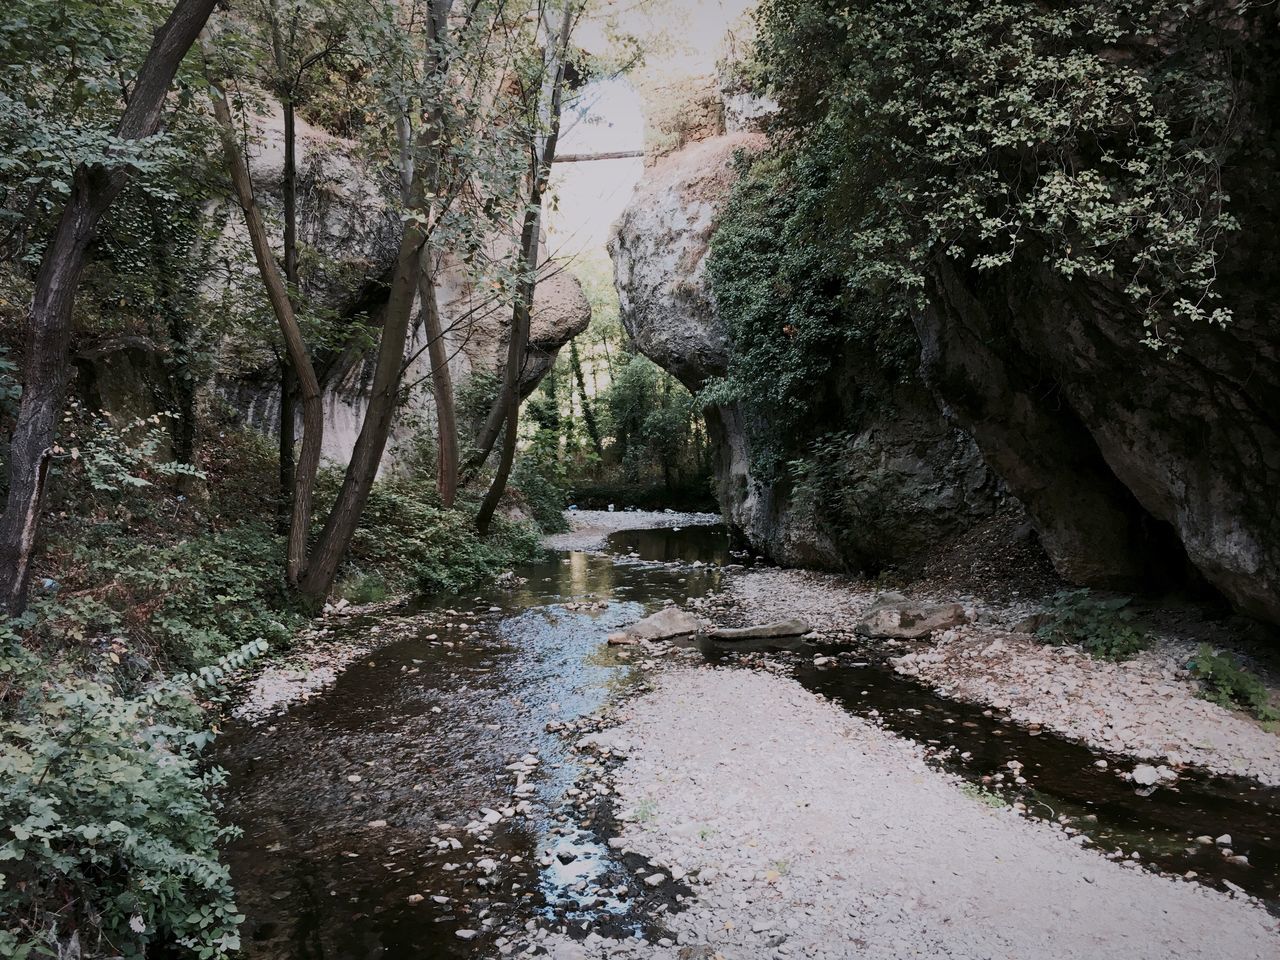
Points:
(545, 490)
(1224, 681)
(1103, 627)
(363, 588)
(414, 543)
(183, 602)
(110, 830)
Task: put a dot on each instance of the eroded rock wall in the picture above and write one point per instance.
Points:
(345, 219)
(1139, 468)
(920, 478)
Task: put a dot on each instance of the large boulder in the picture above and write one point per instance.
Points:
(919, 479)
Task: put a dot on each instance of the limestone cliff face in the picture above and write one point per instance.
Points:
(920, 479)
(345, 218)
(1138, 468)
(1132, 463)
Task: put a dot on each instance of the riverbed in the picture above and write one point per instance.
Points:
(434, 801)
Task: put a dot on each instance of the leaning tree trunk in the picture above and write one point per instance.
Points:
(441, 389)
(366, 456)
(49, 325)
(507, 406)
(304, 479)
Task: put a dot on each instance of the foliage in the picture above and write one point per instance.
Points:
(539, 474)
(111, 833)
(117, 458)
(10, 387)
(782, 278)
(1102, 626)
(362, 588)
(412, 542)
(987, 798)
(182, 601)
(653, 420)
(1086, 136)
(1226, 682)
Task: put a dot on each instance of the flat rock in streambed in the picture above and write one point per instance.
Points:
(793, 627)
(666, 623)
(906, 620)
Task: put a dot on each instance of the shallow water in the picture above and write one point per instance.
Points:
(429, 724)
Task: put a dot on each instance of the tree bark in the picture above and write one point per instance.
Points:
(287, 439)
(366, 456)
(588, 414)
(295, 347)
(49, 325)
(507, 406)
(441, 389)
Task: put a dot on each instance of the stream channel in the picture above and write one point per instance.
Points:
(355, 804)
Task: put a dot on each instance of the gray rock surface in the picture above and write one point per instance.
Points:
(792, 627)
(1130, 461)
(919, 479)
(346, 220)
(666, 623)
(905, 620)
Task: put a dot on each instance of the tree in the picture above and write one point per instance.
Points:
(94, 187)
(506, 407)
(282, 304)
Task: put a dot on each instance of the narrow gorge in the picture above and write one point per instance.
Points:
(682, 480)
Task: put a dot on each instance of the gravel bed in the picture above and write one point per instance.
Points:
(805, 832)
(1146, 708)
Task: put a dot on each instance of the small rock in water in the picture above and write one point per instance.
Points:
(466, 934)
(655, 879)
(1224, 840)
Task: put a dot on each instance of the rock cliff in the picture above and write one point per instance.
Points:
(349, 233)
(919, 478)
(345, 219)
(1139, 468)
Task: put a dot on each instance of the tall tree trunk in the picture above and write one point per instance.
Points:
(287, 439)
(49, 324)
(441, 389)
(288, 379)
(507, 406)
(588, 414)
(295, 347)
(366, 456)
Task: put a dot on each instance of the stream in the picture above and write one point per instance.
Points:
(417, 807)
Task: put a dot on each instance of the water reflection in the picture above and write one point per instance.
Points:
(354, 804)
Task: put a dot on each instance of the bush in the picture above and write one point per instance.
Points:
(182, 603)
(111, 834)
(1103, 627)
(1224, 681)
(413, 543)
(361, 588)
